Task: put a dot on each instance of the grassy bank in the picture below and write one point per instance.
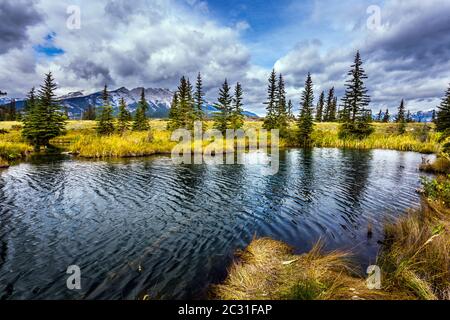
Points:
(418, 138)
(12, 145)
(82, 139)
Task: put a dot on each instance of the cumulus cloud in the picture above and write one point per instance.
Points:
(139, 43)
(16, 17)
(406, 57)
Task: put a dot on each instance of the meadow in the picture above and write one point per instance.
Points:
(82, 140)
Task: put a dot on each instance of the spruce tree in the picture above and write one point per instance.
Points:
(320, 107)
(105, 120)
(30, 101)
(89, 113)
(124, 117)
(185, 105)
(387, 116)
(290, 111)
(433, 116)
(281, 112)
(355, 103)
(409, 118)
(330, 112)
(44, 120)
(237, 118)
(380, 116)
(222, 117)
(140, 122)
(305, 121)
(401, 118)
(270, 121)
(356, 98)
(443, 114)
(199, 99)
(174, 118)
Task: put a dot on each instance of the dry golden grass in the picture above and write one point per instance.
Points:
(268, 270)
(416, 255)
(440, 166)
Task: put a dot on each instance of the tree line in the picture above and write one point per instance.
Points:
(188, 106)
(44, 118)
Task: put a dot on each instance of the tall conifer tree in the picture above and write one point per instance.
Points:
(223, 105)
(199, 99)
(237, 117)
(105, 121)
(44, 120)
(401, 118)
(140, 122)
(270, 121)
(443, 114)
(124, 117)
(320, 107)
(355, 103)
(305, 121)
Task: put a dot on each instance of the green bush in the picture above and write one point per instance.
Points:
(438, 188)
(356, 130)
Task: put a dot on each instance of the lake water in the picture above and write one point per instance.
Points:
(147, 226)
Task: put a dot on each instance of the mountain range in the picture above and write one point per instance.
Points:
(158, 99)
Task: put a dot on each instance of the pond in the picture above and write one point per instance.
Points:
(147, 226)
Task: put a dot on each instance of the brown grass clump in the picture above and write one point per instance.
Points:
(416, 255)
(440, 166)
(268, 270)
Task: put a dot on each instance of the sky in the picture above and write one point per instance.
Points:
(405, 46)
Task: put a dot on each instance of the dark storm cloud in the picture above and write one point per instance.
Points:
(423, 40)
(89, 70)
(16, 16)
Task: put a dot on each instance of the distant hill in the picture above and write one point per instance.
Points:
(158, 99)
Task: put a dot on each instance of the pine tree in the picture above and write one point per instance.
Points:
(305, 121)
(199, 99)
(281, 107)
(409, 118)
(270, 121)
(237, 118)
(443, 114)
(433, 116)
(89, 113)
(355, 103)
(330, 112)
(31, 100)
(11, 112)
(356, 98)
(44, 120)
(222, 117)
(140, 122)
(105, 121)
(124, 117)
(401, 118)
(174, 118)
(387, 116)
(185, 105)
(380, 116)
(290, 111)
(320, 107)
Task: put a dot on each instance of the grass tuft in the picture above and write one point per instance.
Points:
(268, 270)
